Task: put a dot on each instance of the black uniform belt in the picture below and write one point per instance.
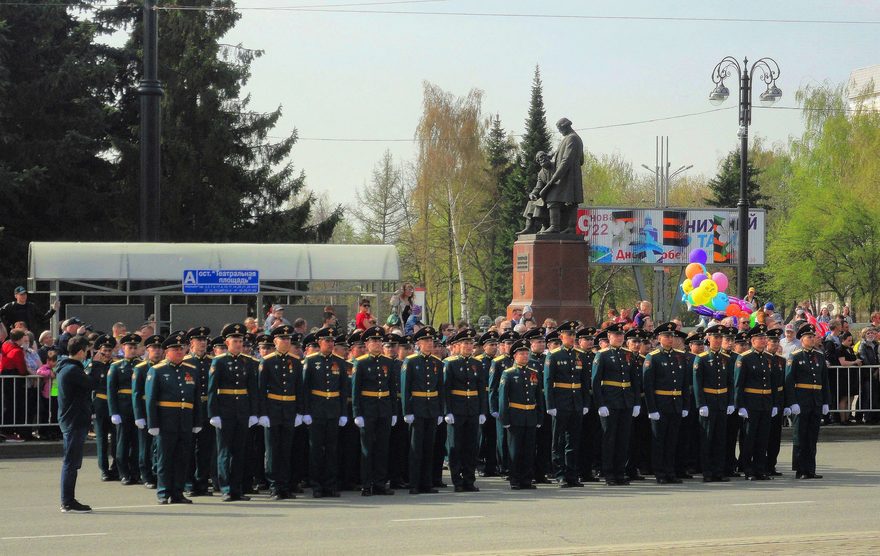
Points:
(715, 390)
(176, 405)
(758, 391)
(523, 406)
(323, 394)
(465, 393)
(804, 386)
(424, 394)
(233, 391)
(281, 398)
(569, 385)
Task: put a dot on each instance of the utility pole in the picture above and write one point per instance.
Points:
(150, 93)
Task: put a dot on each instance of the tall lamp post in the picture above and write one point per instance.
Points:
(768, 73)
(150, 93)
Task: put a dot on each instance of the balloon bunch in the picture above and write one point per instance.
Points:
(704, 292)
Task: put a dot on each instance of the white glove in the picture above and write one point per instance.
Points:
(408, 419)
(343, 421)
(603, 411)
(586, 410)
(684, 413)
(636, 410)
(654, 416)
(786, 411)
(704, 411)
(743, 413)
(307, 420)
(551, 412)
(252, 420)
(359, 422)
(140, 423)
(825, 409)
(506, 426)
(439, 420)
(795, 409)
(539, 425)
(482, 419)
(394, 420)
(116, 419)
(197, 430)
(215, 422)
(494, 414)
(730, 409)
(264, 422)
(774, 412)
(450, 419)
(298, 420)
(153, 431)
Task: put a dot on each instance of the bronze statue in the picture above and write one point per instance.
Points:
(565, 190)
(536, 209)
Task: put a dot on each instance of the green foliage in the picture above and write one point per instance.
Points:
(725, 186)
(501, 153)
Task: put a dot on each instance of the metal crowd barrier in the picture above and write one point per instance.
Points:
(22, 403)
(855, 390)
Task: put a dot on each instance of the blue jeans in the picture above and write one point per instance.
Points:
(74, 439)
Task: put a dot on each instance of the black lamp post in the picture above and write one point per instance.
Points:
(150, 93)
(769, 72)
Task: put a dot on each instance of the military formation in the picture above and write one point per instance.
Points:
(190, 416)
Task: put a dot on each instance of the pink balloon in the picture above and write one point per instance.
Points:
(696, 280)
(720, 279)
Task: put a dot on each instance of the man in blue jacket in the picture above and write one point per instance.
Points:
(74, 415)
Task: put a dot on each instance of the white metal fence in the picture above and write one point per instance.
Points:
(855, 390)
(23, 404)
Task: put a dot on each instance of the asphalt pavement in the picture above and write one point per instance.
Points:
(837, 514)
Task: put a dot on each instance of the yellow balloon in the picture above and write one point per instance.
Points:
(710, 287)
(686, 286)
(701, 297)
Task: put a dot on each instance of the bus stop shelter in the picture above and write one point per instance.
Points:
(122, 278)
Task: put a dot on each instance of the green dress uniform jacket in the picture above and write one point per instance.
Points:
(281, 385)
(566, 381)
(202, 368)
(119, 387)
(496, 369)
(754, 382)
(615, 380)
(806, 381)
(172, 397)
(372, 387)
(421, 387)
(139, 388)
(713, 381)
(233, 387)
(464, 388)
(664, 381)
(519, 397)
(325, 386)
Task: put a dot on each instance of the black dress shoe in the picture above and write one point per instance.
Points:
(543, 481)
(530, 487)
(429, 491)
(622, 482)
(366, 492)
(472, 488)
(149, 485)
(441, 484)
(722, 479)
(800, 475)
(459, 488)
(590, 479)
(244, 498)
(683, 476)
(610, 482)
(332, 493)
(675, 481)
(762, 477)
(181, 500)
(415, 491)
(399, 485)
(297, 489)
(662, 481)
(751, 477)
(128, 481)
(162, 501)
(228, 498)
(317, 494)
(515, 487)
(383, 491)
(814, 476)
(708, 479)
(775, 473)
(636, 478)
(105, 477)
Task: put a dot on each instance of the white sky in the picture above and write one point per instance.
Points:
(354, 75)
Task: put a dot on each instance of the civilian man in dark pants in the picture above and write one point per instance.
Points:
(74, 415)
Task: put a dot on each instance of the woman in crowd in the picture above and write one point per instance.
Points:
(847, 378)
(402, 302)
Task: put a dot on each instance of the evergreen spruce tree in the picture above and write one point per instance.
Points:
(725, 185)
(223, 178)
(500, 154)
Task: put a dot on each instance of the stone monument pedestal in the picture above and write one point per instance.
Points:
(551, 273)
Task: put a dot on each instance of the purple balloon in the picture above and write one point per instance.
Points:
(703, 311)
(696, 280)
(698, 256)
(718, 315)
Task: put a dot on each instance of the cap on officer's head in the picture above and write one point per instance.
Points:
(130, 338)
(757, 331)
(489, 337)
(154, 340)
(282, 331)
(509, 336)
(174, 340)
(105, 340)
(264, 340)
(806, 330)
(588, 332)
(373, 333)
(665, 328)
(233, 330)
(465, 334)
(715, 330)
(613, 328)
(426, 333)
(198, 333)
(520, 345)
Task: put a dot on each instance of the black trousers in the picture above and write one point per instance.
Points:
(464, 442)
(203, 464)
(421, 450)
(806, 430)
(590, 453)
(173, 451)
(687, 454)
(640, 442)
(753, 449)
(231, 441)
(774, 442)
(349, 456)
(712, 445)
(146, 455)
(502, 455)
(374, 451)
(439, 455)
(324, 454)
(734, 422)
(278, 439)
(127, 449)
(615, 442)
(398, 453)
(255, 459)
(664, 444)
(105, 441)
(299, 459)
(544, 448)
(488, 442)
(566, 445)
(521, 443)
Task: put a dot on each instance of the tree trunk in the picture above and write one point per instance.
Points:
(459, 257)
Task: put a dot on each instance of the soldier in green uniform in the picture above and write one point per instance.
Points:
(146, 449)
(664, 384)
(440, 447)
(421, 389)
(808, 397)
(640, 439)
(398, 440)
(754, 395)
(218, 346)
(253, 477)
(119, 404)
(325, 389)
(544, 434)
(732, 349)
(349, 437)
(777, 366)
(499, 363)
(232, 409)
(567, 400)
(373, 410)
(204, 443)
(615, 394)
(172, 408)
(520, 403)
(687, 457)
(591, 430)
(280, 387)
(466, 405)
(713, 391)
(105, 435)
(489, 342)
